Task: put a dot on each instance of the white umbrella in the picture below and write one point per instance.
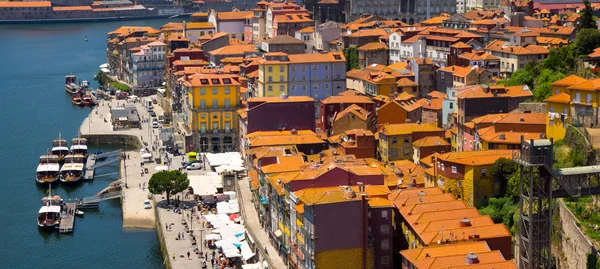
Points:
(213, 237)
(161, 168)
(147, 155)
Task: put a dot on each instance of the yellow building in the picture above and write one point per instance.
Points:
(468, 174)
(273, 75)
(562, 85)
(558, 108)
(582, 108)
(395, 140)
(210, 106)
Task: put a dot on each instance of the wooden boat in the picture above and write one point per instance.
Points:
(71, 84)
(59, 148)
(79, 146)
(49, 213)
(77, 100)
(47, 170)
(87, 100)
(71, 172)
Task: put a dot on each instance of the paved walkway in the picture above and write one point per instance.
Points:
(134, 214)
(253, 225)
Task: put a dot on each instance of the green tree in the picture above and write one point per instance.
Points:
(543, 89)
(520, 77)
(100, 78)
(169, 182)
(502, 210)
(513, 189)
(502, 170)
(587, 16)
(561, 58)
(587, 40)
(351, 55)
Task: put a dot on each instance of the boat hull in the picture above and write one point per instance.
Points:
(71, 179)
(46, 180)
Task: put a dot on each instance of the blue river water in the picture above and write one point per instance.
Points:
(34, 108)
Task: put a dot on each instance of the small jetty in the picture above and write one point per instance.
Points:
(67, 219)
(98, 160)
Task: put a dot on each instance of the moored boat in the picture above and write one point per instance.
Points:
(71, 84)
(79, 146)
(59, 148)
(48, 169)
(87, 100)
(49, 213)
(76, 99)
(71, 172)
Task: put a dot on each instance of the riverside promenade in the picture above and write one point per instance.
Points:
(94, 126)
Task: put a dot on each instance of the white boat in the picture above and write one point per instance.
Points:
(71, 172)
(59, 148)
(79, 146)
(75, 158)
(49, 213)
(47, 170)
(79, 213)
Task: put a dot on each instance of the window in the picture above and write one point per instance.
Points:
(384, 214)
(281, 68)
(407, 139)
(293, 67)
(394, 153)
(326, 67)
(227, 115)
(281, 88)
(394, 139)
(227, 102)
(454, 170)
(451, 105)
(304, 87)
(303, 78)
(577, 96)
(270, 88)
(270, 79)
(280, 78)
(303, 68)
(215, 91)
(384, 229)
(293, 87)
(314, 67)
(202, 91)
(227, 90)
(406, 151)
(203, 115)
(385, 244)
(215, 103)
(442, 75)
(202, 103)
(203, 127)
(326, 76)
(483, 172)
(565, 110)
(215, 126)
(551, 108)
(270, 68)
(588, 98)
(227, 127)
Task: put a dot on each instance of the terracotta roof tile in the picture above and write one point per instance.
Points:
(408, 128)
(374, 46)
(405, 82)
(430, 141)
(476, 158)
(562, 97)
(569, 81)
(356, 110)
(234, 15)
(588, 85)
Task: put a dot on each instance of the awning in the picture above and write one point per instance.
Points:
(146, 155)
(246, 251)
(263, 200)
(251, 266)
(161, 168)
(278, 233)
(104, 70)
(233, 217)
(213, 237)
(104, 65)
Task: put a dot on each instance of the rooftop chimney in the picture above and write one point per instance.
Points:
(465, 222)
(472, 258)
(349, 194)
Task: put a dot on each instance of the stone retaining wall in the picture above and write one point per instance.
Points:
(161, 239)
(113, 139)
(575, 244)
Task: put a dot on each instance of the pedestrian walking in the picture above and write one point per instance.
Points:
(173, 256)
(140, 184)
(188, 253)
(212, 262)
(166, 226)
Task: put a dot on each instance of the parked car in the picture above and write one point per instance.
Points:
(147, 204)
(153, 114)
(161, 119)
(194, 166)
(154, 101)
(155, 124)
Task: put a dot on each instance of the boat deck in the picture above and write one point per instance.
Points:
(67, 221)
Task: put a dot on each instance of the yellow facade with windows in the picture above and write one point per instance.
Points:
(272, 79)
(558, 110)
(212, 101)
(395, 140)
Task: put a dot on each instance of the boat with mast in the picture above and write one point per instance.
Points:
(49, 213)
(71, 84)
(59, 148)
(72, 170)
(48, 169)
(79, 146)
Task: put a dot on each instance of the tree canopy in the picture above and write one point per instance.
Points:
(351, 55)
(587, 16)
(170, 182)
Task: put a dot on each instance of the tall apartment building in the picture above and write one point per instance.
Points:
(210, 112)
(146, 68)
(318, 75)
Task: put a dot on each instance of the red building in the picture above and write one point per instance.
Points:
(357, 142)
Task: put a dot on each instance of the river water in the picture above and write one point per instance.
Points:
(34, 108)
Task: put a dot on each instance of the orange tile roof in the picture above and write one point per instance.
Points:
(299, 208)
(292, 18)
(483, 232)
(373, 46)
(125, 30)
(368, 32)
(405, 82)
(430, 141)
(234, 15)
(489, 257)
(72, 8)
(562, 97)
(253, 175)
(437, 95)
(408, 128)
(595, 53)
(435, 20)
(490, 135)
(435, 226)
(336, 194)
(405, 193)
(568, 81)
(461, 45)
(496, 265)
(414, 200)
(502, 46)
(199, 25)
(524, 118)
(477, 91)
(317, 57)
(25, 4)
(416, 254)
(476, 158)
(309, 29)
(284, 164)
(234, 50)
(426, 217)
(431, 207)
(290, 139)
(347, 99)
(198, 80)
(588, 85)
(356, 110)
